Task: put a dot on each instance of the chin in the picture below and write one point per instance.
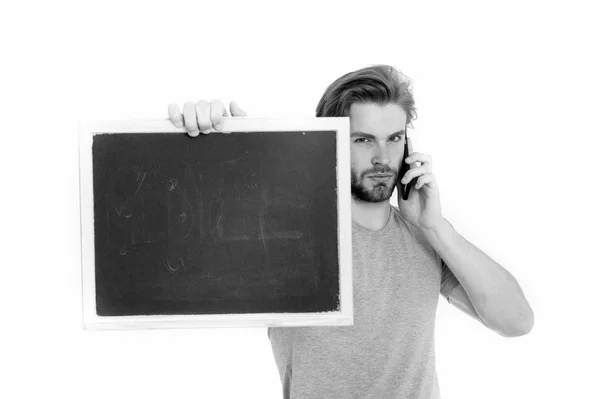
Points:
(377, 194)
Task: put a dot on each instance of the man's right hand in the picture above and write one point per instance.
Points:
(202, 117)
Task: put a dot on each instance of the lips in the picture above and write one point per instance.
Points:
(380, 178)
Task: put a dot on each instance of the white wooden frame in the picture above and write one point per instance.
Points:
(335, 318)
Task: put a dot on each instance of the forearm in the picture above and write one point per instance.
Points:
(494, 292)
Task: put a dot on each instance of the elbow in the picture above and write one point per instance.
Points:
(527, 325)
(509, 316)
(518, 328)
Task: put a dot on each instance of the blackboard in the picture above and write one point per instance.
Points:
(238, 224)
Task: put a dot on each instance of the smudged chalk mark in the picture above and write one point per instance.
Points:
(168, 266)
(292, 235)
(172, 184)
(182, 263)
(118, 210)
(218, 226)
(123, 251)
(147, 237)
(236, 238)
(262, 234)
(182, 217)
(140, 185)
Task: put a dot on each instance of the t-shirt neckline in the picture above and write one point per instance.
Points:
(381, 230)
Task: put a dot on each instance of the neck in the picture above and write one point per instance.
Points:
(370, 215)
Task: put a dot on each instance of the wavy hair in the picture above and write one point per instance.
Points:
(380, 84)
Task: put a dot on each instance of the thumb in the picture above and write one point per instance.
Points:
(235, 109)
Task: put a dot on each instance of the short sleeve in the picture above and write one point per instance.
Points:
(449, 281)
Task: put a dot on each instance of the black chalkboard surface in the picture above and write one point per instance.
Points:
(235, 224)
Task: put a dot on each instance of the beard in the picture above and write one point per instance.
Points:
(381, 191)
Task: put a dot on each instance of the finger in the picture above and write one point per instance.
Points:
(175, 115)
(189, 118)
(426, 179)
(410, 152)
(417, 159)
(414, 173)
(216, 114)
(226, 115)
(236, 110)
(203, 116)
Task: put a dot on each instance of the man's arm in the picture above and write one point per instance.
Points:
(487, 291)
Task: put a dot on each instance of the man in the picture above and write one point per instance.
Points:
(403, 258)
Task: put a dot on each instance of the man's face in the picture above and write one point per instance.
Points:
(377, 145)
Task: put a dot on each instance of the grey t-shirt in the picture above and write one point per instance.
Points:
(389, 352)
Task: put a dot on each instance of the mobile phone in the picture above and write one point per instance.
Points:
(404, 167)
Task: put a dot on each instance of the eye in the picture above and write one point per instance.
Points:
(361, 140)
(397, 138)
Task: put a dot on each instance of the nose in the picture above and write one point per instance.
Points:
(381, 156)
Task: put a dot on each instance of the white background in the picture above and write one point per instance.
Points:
(507, 96)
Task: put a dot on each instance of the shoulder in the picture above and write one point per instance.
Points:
(410, 229)
(399, 220)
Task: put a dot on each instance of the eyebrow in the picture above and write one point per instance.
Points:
(370, 136)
